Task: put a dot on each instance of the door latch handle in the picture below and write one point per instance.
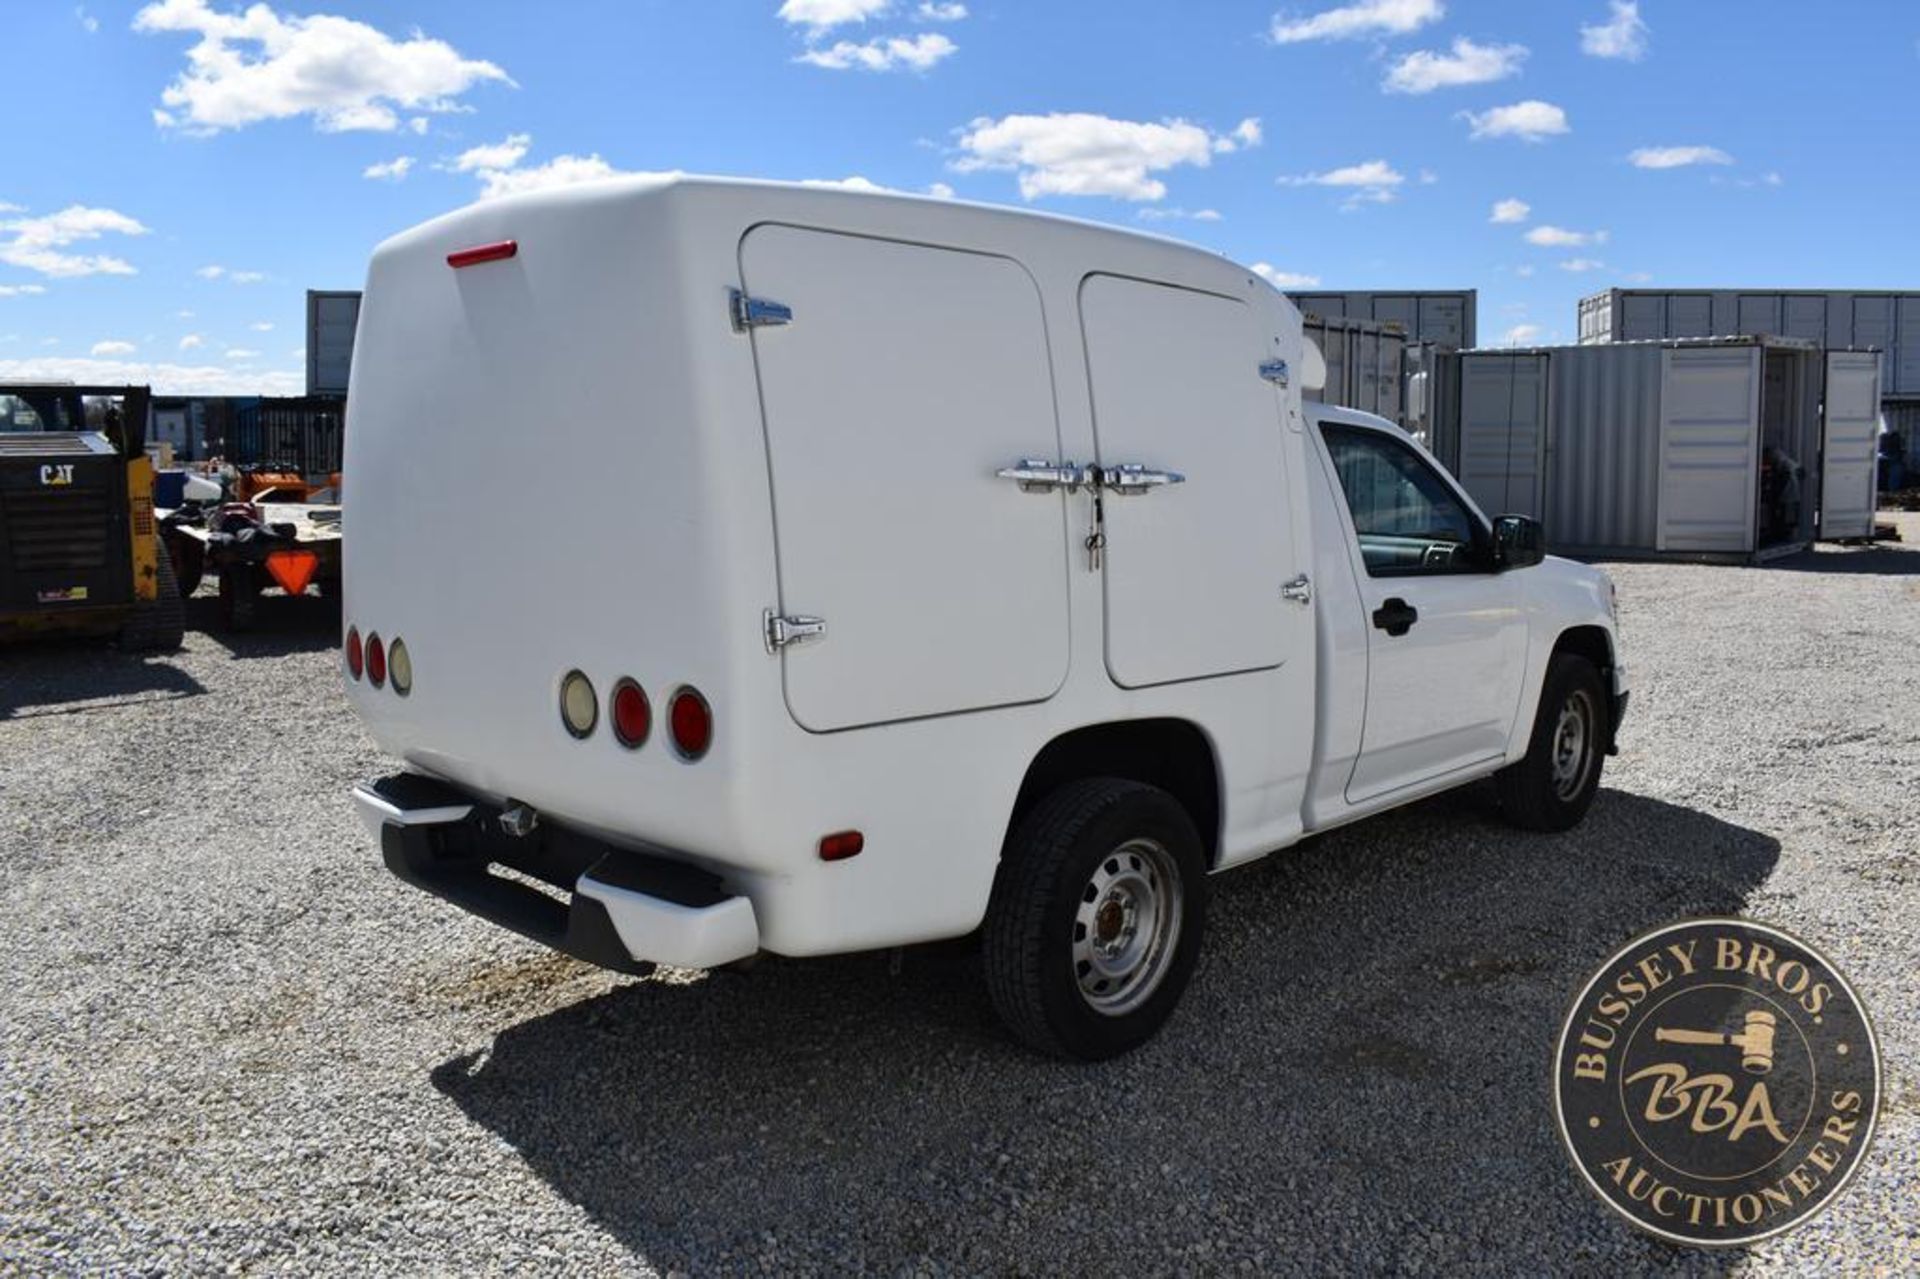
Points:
(1130, 479)
(1395, 616)
(1038, 475)
(1299, 590)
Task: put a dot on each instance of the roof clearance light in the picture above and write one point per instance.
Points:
(479, 253)
(579, 705)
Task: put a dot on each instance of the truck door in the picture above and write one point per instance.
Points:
(1446, 637)
(906, 377)
(1193, 569)
(1849, 444)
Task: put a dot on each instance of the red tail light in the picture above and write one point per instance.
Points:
(483, 253)
(842, 845)
(376, 661)
(632, 715)
(690, 720)
(355, 659)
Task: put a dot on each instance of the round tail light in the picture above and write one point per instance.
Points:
(632, 716)
(376, 661)
(356, 659)
(579, 706)
(690, 720)
(400, 667)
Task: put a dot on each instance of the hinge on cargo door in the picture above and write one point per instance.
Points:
(781, 631)
(1275, 371)
(755, 313)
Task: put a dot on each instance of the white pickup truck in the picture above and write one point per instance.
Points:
(865, 570)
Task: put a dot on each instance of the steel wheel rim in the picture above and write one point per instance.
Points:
(1572, 744)
(1126, 926)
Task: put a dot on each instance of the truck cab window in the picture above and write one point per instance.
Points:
(1408, 520)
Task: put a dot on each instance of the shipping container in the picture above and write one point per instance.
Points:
(1714, 448)
(332, 318)
(1365, 366)
(302, 435)
(1883, 320)
(1445, 317)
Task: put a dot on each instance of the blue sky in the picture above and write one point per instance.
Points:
(174, 175)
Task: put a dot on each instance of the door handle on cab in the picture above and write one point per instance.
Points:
(1395, 616)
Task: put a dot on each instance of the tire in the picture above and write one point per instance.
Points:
(189, 563)
(1096, 855)
(157, 625)
(239, 595)
(1553, 785)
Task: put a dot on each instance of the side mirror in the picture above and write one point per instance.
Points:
(1518, 542)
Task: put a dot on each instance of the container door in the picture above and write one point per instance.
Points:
(908, 376)
(1503, 420)
(1849, 444)
(1709, 434)
(1193, 570)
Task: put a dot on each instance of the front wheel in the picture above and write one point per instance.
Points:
(1096, 918)
(1553, 785)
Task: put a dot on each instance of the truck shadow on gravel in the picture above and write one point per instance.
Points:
(1357, 1079)
(1880, 561)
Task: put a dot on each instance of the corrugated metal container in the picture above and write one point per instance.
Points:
(305, 434)
(1445, 317)
(332, 318)
(1885, 320)
(1366, 366)
(1696, 449)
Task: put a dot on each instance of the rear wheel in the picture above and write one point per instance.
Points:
(1553, 785)
(1096, 918)
(239, 595)
(157, 625)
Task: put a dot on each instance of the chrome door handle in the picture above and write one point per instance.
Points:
(1299, 590)
(1037, 475)
(1131, 479)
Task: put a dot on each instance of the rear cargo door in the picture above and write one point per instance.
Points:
(1849, 444)
(907, 376)
(1709, 431)
(1193, 569)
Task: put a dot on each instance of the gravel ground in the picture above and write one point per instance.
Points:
(228, 1039)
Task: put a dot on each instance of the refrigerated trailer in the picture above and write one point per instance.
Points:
(1734, 448)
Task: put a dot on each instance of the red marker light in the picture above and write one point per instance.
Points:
(483, 253)
(839, 847)
(354, 658)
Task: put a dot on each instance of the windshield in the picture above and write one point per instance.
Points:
(26, 411)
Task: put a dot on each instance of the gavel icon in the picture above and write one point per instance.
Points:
(1755, 1042)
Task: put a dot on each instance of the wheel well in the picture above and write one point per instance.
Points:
(1172, 754)
(1589, 642)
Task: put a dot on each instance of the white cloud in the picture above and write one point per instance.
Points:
(1078, 153)
(256, 65)
(21, 290)
(940, 191)
(1284, 279)
(1521, 334)
(1554, 237)
(261, 326)
(1423, 71)
(241, 353)
(1583, 264)
(1530, 121)
(824, 14)
(1510, 211)
(192, 342)
(183, 315)
(561, 171)
(1245, 134)
(854, 183)
(1677, 157)
(493, 155)
(35, 243)
(886, 53)
(1524, 270)
(112, 347)
(211, 272)
(393, 170)
(247, 277)
(1372, 182)
(1624, 35)
(166, 379)
(933, 11)
(1352, 21)
(88, 23)
(1179, 215)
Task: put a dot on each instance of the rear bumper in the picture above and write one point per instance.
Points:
(614, 907)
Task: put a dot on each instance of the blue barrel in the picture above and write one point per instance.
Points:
(169, 488)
